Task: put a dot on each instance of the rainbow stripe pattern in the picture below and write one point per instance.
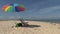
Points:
(13, 8)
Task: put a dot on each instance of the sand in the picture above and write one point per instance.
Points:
(8, 27)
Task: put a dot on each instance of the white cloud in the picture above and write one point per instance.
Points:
(49, 9)
(1, 17)
(11, 17)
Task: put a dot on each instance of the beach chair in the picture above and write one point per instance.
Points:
(23, 23)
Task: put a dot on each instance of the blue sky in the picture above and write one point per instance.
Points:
(36, 9)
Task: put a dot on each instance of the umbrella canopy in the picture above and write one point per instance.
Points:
(13, 7)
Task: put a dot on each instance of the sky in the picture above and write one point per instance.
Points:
(36, 9)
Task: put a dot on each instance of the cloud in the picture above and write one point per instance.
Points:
(49, 9)
(1, 17)
(11, 17)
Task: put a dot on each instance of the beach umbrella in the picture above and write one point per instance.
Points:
(13, 8)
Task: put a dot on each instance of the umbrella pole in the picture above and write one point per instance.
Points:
(22, 22)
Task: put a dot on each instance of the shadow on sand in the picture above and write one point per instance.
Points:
(31, 26)
(26, 25)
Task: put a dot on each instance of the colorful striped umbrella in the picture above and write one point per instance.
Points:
(13, 7)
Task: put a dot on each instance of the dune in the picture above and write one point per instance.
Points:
(8, 27)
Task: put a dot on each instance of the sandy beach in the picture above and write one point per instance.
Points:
(7, 27)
